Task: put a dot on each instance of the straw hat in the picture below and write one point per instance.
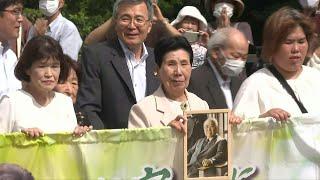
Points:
(192, 12)
(238, 6)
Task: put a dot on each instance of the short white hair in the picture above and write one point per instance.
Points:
(213, 120)
(220, 38)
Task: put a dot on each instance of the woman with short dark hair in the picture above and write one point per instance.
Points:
(70, 88)
(36, 109)
(166, 105)
(14, 172)
(70, 85)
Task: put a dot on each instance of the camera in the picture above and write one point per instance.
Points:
(191, 36)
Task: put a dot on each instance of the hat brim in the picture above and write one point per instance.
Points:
(193, 12)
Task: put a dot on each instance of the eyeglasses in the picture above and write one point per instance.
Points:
(16, 12)
(138, 21)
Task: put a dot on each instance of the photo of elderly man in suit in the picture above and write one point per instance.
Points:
(207, 151)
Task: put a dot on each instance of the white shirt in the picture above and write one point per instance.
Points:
(20, 110)
(137, 69)
(224, 86)
(262, 91)
(66, 33)
(8, 61)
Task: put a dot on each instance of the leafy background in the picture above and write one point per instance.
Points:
(89, 14)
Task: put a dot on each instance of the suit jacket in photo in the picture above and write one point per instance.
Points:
(106, 93)
(204, 83)
(216, 150)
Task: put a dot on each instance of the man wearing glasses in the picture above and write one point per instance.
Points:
(10, 19)
(120, 72)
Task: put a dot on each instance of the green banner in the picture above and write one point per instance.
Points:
(106, 154)
(268, 149)
(261, 149)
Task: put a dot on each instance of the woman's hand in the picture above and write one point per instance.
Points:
(233, 119)
(179, 123)
(41, 26)
(277, 113)
(157, 13)
(181, 30)
(204, 38)
(223, 20)
(33, 132)
(81, 130)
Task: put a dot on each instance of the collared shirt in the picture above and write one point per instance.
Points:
(224, 85)
(137, 69)
(8, 61)
(64, 31)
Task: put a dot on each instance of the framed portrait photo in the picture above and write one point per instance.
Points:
(207, 145)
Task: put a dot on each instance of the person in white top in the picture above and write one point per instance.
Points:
(10, 19)
(223, 12)
(36, 109)
(58, 27)
(190, 22)
(286, 36)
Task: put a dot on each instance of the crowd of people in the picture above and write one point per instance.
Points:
(139, 70)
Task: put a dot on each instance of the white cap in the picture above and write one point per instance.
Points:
(309, 3)
(192, 12)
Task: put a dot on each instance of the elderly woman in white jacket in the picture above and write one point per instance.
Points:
(166, 105)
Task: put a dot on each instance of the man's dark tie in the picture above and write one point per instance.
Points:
(205, 142)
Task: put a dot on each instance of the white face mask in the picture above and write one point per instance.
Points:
(232, 67)
(309, 3)
(220, 6)
(49, 7)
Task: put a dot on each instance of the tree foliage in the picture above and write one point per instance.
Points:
(89, 14)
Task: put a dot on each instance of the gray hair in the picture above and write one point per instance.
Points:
(220, 38)
(119, 2)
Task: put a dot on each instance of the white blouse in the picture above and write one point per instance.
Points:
(19, 110)
(8, 60)
(262, 91)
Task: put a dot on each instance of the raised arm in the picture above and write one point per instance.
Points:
(101, 33)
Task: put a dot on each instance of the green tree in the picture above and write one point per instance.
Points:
(89, 14)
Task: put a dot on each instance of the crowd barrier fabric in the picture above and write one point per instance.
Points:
(107, 154)
(261, 149)
(267, 149)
